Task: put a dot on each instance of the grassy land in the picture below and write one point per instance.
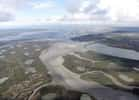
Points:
(102, 63)
(98, 77)
(72, 62)
(13, 66)
(111, 65)
(131, 74)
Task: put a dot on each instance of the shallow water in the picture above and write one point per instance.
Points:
(113, 51)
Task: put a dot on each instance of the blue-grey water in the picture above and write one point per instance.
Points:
(32, 35)
(49, 32)
(59, 32)
(115, 52)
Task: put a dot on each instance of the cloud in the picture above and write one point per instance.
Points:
(74, 6)
(5, 16)
(113, 11)
(125, 11)
(121, 10)
(84, 10)
(8, 9)
(43, 5)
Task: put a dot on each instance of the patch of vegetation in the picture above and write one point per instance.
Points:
(123, 41)
(13, 67)
(98, 77)
(73, 63)
(131, 74)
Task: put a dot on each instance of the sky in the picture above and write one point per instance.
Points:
(39, 12)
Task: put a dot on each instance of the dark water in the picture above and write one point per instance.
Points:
(115, 52)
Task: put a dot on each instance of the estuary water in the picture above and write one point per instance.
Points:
(113, 51)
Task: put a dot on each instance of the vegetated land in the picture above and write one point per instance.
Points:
(121, 40)
(21, 70)
(103, 69)
(126, 40)
(54, 60)
(20, 64)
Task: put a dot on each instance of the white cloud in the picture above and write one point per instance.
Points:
(92, 11)
(74, 6)
(8, 9)
(5, 16)
(84, 10)
(114, 11)
(43, 5)
(121, 10)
